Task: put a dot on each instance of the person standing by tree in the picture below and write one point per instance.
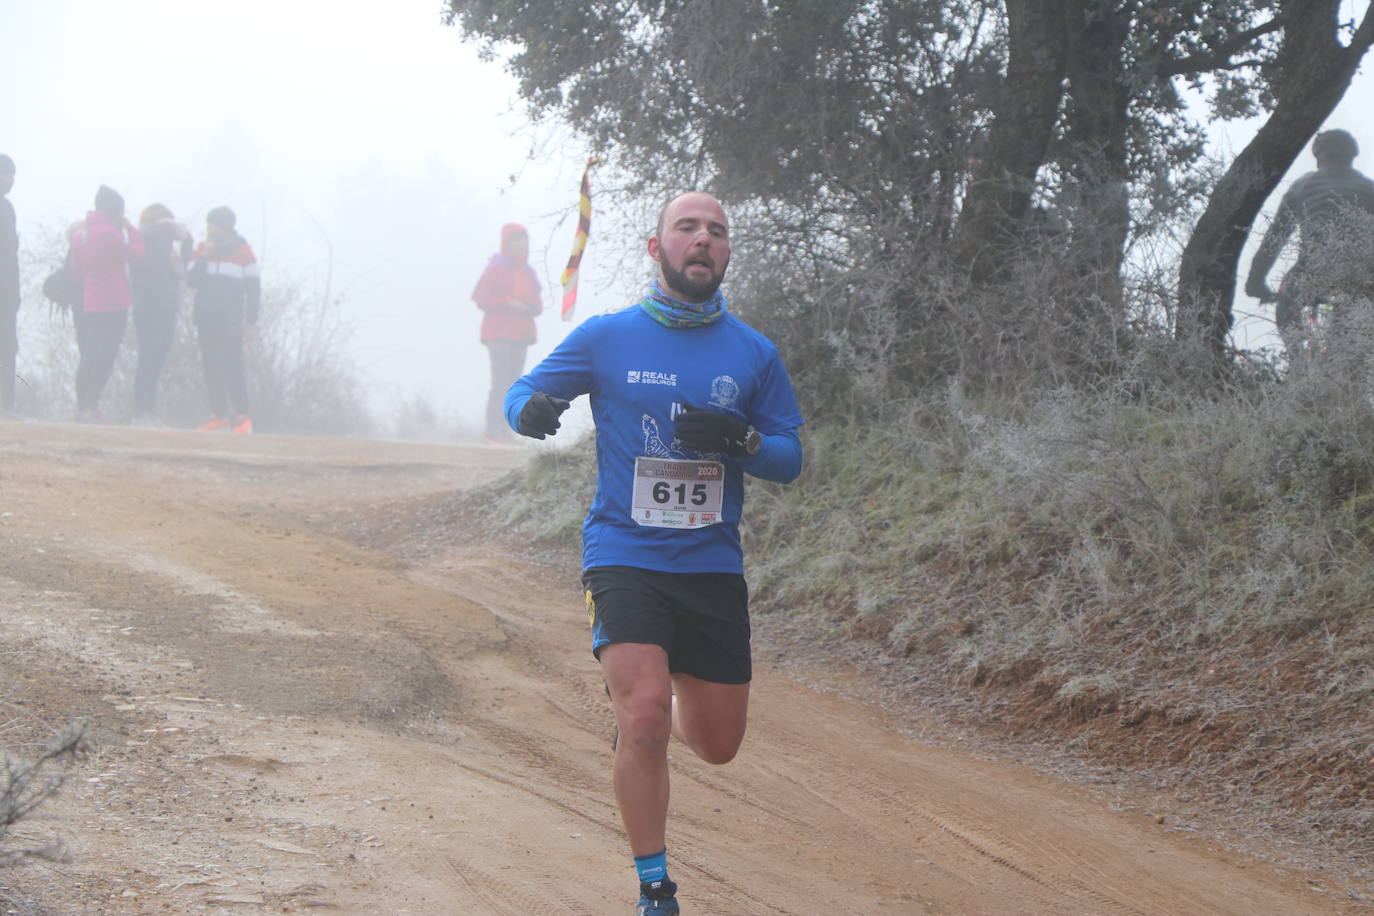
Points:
(9, 288)
(157, 280)
(224, 274)
(508, 294)
(686, 399)
(102, 250)
(1333, 211)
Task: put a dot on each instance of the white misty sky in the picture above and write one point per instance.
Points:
(360, 142)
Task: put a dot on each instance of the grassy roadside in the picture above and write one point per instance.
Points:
(1177, 583)
(1145, 587)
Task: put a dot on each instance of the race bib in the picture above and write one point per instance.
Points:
(676, 493)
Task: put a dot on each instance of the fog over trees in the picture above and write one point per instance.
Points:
(921, 191)
(895, 149)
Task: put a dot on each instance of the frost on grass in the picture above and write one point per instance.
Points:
(27, 784)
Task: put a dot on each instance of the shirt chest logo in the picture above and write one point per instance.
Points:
(724, 392)
(649, 377)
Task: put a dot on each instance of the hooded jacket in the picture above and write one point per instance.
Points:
(508, 292)
(226, 280)
(101, 252)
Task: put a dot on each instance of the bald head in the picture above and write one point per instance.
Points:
(691, 246)
(663, 211)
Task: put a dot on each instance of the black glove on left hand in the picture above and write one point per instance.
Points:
(712, 431)
(539, 417)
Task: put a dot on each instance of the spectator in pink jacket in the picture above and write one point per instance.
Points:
(101, 251)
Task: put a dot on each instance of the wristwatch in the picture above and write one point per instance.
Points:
(752, 442)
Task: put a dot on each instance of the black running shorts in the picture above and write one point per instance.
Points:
(700, 619)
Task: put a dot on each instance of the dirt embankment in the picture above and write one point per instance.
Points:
(284, 721)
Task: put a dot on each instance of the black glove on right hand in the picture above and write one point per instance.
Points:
(539, 417)
(711, 431)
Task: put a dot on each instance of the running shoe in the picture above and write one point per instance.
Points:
(657, 898)
(242, 424)
(216, 422)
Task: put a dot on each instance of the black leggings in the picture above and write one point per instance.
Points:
(221, 358)
(156, 327)
(98, 338)
(507, 364)
(9, 355)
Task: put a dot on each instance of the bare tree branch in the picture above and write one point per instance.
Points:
(1220, 58)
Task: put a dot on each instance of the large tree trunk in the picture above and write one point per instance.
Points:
(1097, 125)
(1315, 71)
(1022, 124)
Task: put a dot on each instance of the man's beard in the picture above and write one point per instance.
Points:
(692, 290)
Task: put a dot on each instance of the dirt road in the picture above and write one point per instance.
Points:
(286, 722)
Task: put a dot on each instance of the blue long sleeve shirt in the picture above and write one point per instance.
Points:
(640, 375)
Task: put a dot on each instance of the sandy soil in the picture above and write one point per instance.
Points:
(285, 722)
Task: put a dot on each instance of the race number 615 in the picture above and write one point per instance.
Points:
(663, 493)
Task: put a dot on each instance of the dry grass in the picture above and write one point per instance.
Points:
(32, 770)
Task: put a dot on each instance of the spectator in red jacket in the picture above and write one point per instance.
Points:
(508, 292)
(102, 249)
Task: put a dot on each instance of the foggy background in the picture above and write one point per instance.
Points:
(367, 151)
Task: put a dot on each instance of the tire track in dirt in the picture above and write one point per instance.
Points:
(508, 897)
(985, 841)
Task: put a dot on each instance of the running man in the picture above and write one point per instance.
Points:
(686, 399)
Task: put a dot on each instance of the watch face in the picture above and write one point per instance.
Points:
(752, 441)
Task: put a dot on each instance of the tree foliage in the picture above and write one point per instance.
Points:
(942, 141)
(816, 104)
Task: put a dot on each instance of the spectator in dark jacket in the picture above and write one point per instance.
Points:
(224, 275)
(157, 281)
(9, 288)
(102, 250)
(508, 292)
(1332, 209)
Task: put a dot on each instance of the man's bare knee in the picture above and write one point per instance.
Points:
(717, 753)
(645, 719)
(645, 729)
(712, 746)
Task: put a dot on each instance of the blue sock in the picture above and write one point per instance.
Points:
(652, 868)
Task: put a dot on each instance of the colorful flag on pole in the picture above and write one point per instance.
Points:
(584, 223)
